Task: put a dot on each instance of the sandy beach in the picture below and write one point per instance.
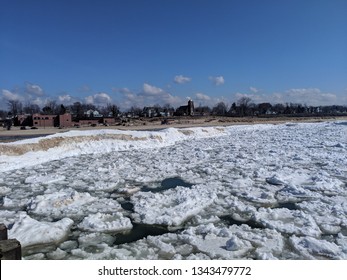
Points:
(155, 124)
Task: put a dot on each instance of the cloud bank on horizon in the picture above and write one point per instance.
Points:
(150, 95)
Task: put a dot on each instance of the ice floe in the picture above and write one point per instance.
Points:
(239, 192)
(105, 223)
(172, 207)
(30, 232)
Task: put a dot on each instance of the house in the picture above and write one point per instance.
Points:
(149, 112)
(92, 114)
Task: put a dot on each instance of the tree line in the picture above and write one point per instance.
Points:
(53, 108)
(243, 107)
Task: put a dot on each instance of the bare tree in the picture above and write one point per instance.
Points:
(220, 109)
(77, 110)
(30, 108)
(202, 110)
(54, 108)
(14, 107)
(135, 111)
(112, 108)
(3, 114)
(244, 103)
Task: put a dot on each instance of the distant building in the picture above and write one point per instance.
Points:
(61, 120)
(109, 121)
(23, 120)
(65, 120)
(88, 122)
(39, 120)
(186, 110)
(92, 114)
(45, 120)
(149, 112)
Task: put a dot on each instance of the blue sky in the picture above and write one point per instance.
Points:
(146, 52)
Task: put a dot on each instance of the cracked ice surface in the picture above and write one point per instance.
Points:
(253, 192)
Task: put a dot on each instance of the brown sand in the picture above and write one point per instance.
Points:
(155, 124)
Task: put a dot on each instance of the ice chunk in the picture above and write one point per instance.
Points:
(31, 232)
(234, 244)
(172, 207)
(274, 180)
(4, 190)
(70, 203)
(44, 179)
(287, 221)
(292, 193)
(105, 223)
(312, 248)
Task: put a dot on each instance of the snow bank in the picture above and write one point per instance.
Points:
(34, 151)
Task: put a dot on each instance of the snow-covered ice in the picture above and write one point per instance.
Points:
(30, 232)
(171, 207)
(105, 223)
(238, 192)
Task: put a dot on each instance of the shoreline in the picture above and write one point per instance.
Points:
(6, 135)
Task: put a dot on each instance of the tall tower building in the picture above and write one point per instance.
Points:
(190, 107)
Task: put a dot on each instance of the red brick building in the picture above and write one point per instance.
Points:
(109, 121)
(65, 120)
(44, 120)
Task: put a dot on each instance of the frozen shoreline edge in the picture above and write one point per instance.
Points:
(157, 127)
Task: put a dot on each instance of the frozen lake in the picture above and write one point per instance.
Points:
(239, 192)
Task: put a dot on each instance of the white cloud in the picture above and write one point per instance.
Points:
(217, 81)
(253, 89)
(180, 79)
(41, 102)
(167, 98)
(66, 98)
(89, 99)
(148, 96)
(310, 96)
(202, 97)
(303, 91)
(34, 89)
(101, 98)
(10, 96)
(151, 90)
